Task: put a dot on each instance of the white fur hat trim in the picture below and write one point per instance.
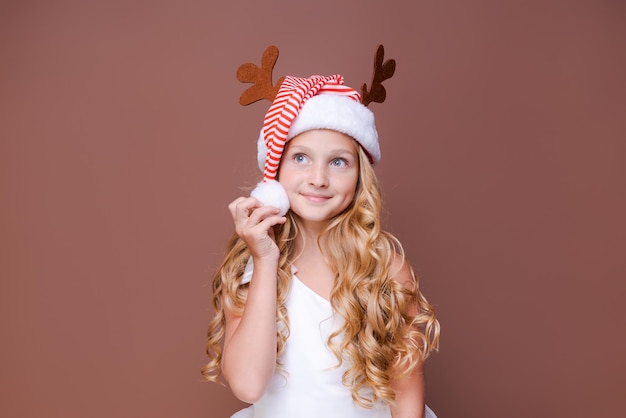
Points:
(335, 112)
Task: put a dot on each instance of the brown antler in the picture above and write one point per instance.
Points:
(261, 77)
(382, 72)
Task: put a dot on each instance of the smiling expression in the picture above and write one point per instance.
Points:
(319, 170)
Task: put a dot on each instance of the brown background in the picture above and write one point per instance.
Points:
(503, 168)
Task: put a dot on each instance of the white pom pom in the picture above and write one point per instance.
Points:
(272, 193)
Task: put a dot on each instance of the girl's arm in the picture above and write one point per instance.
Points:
(409, 388)
(409, 394)
(249, 356)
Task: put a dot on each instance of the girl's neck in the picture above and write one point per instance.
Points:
(312, 229)
(312, 267)
(308, 241)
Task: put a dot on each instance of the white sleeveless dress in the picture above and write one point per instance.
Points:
(309, 386)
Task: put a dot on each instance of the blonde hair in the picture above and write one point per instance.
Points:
(387, 326)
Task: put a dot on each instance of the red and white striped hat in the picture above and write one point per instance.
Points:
(301, 105)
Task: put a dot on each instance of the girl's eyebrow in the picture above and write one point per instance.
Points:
(299, 147)
(304, 148)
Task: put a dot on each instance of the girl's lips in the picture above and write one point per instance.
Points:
(315, 197)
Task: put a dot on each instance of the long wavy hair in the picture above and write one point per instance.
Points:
(387, 326)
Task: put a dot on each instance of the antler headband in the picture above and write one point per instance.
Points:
(264, 89)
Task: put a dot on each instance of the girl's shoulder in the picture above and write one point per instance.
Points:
(401, 270)
(399, 267)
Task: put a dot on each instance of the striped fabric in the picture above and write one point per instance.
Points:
(291, 96)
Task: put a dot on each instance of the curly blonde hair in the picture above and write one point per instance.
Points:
(387, 326)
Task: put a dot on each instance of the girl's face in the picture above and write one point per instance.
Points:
(319, 170)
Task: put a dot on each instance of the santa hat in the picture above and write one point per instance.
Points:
(301, 105)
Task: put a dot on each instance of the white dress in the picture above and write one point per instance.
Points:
(309, 386)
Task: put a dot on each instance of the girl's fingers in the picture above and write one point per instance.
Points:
(251, 218)
(270, 221)
(253, 223)
(241, 206)
(260, 213)
(260, 237)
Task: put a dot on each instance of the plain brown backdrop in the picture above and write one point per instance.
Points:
(122, 141)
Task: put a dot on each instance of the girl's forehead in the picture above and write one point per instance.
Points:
(325, 139)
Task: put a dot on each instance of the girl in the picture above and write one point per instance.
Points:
(318, 314)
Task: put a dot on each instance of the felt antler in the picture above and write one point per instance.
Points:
(261, 77)
(382, 72)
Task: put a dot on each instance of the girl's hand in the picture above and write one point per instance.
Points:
(253, 224)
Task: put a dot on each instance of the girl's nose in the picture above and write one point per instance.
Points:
(318, 176)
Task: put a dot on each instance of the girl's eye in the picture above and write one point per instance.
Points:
(339, 162)
(299, 158)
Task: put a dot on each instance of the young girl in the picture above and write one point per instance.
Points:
(318, 314)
